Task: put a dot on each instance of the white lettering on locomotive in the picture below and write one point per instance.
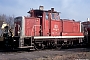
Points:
(56, 28)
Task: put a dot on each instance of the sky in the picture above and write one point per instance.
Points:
(78, 10)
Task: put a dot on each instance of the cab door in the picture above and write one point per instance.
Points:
(17, 23)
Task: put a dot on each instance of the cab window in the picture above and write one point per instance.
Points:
(55, 16)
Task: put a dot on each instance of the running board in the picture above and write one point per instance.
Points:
(50, 37)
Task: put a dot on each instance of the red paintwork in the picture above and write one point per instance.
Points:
(56, 27)
(30, 29)
(46, 28)
(71, 26)
(72, 34)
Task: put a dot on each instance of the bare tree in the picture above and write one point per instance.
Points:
(7, 19)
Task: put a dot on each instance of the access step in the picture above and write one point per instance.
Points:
(27, 47)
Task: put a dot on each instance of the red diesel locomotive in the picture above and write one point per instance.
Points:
(44, 28)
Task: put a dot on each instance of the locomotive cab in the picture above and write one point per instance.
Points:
(45, 16)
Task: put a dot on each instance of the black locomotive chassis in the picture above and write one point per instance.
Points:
(13, 43)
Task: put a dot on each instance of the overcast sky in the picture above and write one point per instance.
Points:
(70, 9)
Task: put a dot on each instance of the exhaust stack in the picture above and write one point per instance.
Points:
(52, 9)
(41, 7)
(88, 19)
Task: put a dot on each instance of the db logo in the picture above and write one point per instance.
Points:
(55, 27)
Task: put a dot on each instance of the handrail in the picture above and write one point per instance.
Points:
(32, 31)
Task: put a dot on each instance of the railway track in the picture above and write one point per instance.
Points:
(48, 54)
(58, 48)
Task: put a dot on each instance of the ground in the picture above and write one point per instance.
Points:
(63, 54)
